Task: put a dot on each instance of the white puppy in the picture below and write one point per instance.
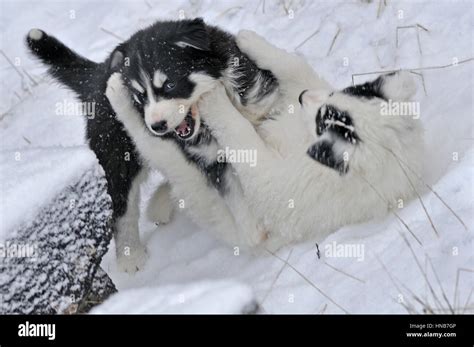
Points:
(332, 161)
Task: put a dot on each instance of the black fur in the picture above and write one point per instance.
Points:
(330, 121)
(341, 128)
(155, 48)
(322, 151)
(372, 89)
(152, 48)
(106, 135)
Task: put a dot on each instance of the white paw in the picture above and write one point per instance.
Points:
(131, 259)
(116, 92)
(160, 206)
(35, 34)
(214, 102)
(163, 215)
(248, 40)
(401, 86)
(160, 213)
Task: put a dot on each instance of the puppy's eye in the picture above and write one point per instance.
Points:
(169, 86)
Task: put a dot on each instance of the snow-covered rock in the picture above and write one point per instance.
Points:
(55, 228)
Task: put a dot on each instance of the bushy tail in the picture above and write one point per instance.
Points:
(68, 67)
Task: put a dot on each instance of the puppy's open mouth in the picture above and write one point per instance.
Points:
(186, 129)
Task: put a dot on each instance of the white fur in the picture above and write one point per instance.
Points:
(285, 175)
(137, 86)
(159, 78)
(183, 44)
(160, 206)
(35, 34)
(400, 87)
(131, 254)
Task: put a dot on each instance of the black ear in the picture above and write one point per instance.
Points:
(372, 89)
(193, 34)
(399, 86)
(117, 60)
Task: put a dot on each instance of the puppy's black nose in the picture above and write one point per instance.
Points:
(160, 127)
(300, 98)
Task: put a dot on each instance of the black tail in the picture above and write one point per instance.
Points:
(68, 67)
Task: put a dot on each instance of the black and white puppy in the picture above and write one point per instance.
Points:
(165, 68)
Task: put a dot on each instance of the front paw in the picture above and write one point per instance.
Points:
(131, 258)
(248, 40)
(214, 103)
(116, 91)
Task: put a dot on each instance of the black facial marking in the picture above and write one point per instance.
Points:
(322, 151)
(367, 90)
(338, 122)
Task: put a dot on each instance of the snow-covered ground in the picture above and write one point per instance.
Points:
(190, 271)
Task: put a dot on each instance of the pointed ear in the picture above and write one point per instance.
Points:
(193, 34)
(117, 59)
(398, 86)
(315, 97)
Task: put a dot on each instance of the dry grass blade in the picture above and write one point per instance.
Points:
(456, 285)
(325, 306)
(230, 9)
(467, 301)
(400, 161)
(276, 277)
(430, 287)
(407, 306)
(439, 284)
(411, 184)
(309, 282)
(112, 34)
(307, 39)
(436, 67)
(344, 273)
(35, 83)
(12, 65)
(394, 213)
(380, 8)
(333, 41)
